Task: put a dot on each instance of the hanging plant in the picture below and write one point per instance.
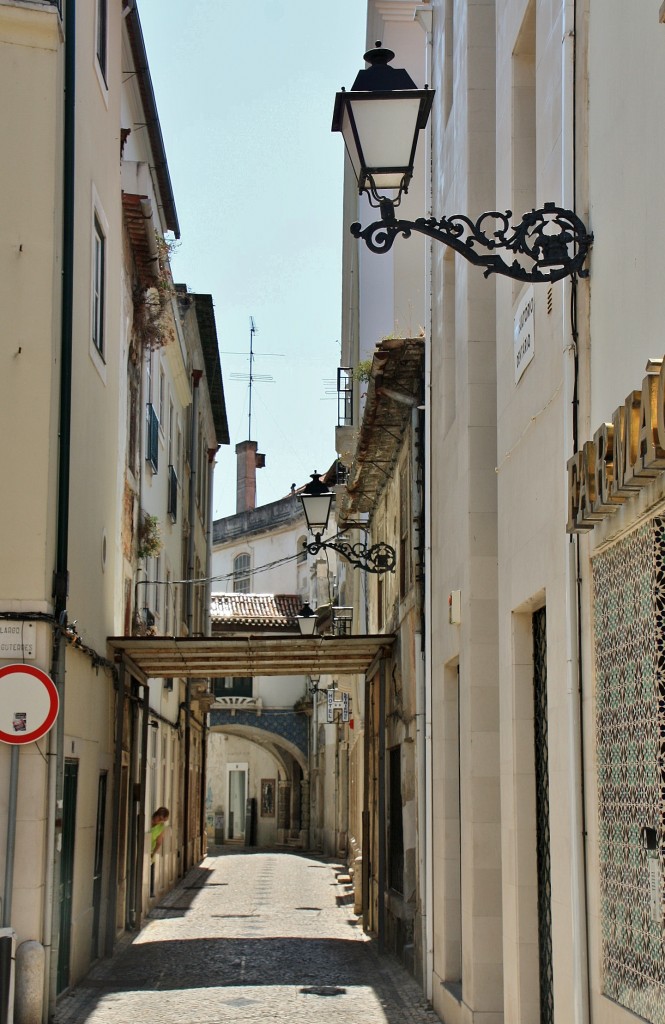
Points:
(362, 371)
(150, 540)
(153, 313)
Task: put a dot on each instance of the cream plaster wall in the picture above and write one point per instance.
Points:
(532, 427)
(626, 151)
(30, 229)
(467, 949)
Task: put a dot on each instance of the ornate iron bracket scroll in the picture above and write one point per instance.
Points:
(554, 240)
(378, 558)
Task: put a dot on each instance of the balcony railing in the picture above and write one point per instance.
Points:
(344, 396)
(152, 437)
(172, 498)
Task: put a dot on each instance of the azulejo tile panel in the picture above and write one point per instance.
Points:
(629, 638)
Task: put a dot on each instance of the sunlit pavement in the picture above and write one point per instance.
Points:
(250, 937)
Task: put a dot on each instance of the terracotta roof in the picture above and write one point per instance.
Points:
(144, 81)
(142, 236)
(272, 611)
(395, 387)
(205, 316)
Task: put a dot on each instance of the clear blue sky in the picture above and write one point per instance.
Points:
(245, 94)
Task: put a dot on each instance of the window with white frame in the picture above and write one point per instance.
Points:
(101, 41)
(98, 284)
(241, 574)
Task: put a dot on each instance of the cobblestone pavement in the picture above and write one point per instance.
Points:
(261, 936)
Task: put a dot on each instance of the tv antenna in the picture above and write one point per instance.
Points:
(251, 376)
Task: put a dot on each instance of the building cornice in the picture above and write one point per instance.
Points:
(398, 10)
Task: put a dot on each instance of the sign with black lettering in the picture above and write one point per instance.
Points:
(524, 332)
(17, 640)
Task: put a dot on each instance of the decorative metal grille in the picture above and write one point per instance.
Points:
(539, 622)
(629, 641)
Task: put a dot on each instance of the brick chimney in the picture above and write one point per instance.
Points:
(248, 461)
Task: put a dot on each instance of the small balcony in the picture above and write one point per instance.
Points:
(344, 396)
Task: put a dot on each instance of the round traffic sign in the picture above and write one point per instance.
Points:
(28, 703)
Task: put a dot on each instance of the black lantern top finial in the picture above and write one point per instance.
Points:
(380, 76)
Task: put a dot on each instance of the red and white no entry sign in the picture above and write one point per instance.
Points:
(28, 703)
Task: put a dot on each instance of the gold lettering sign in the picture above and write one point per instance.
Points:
(624, 456)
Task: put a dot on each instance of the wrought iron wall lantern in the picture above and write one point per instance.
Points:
(307, 620)
(316, 502)
(380, 120)
(313, 685)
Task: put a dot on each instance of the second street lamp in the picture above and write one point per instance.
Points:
(380, 119)
(316, 502)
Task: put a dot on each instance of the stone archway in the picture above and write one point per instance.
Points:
(277, 783)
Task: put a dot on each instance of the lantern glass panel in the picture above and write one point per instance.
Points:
(307, 624)
(386, 128)
(317, 510)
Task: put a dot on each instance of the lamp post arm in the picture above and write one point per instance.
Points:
(554, 241)
(377, 559)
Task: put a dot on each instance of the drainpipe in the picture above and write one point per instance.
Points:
(578, 899)
(11, 837)
(51, 914)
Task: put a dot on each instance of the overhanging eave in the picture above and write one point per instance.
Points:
(242, 654)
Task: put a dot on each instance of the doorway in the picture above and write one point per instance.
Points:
(236, 798)
(99, 861)
(66, 887)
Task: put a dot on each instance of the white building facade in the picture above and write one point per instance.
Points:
(543, 843)
(84, 213)
(269, 734)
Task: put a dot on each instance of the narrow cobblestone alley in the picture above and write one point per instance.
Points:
(249, 937)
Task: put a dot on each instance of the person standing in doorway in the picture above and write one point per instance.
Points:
(158, 824)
